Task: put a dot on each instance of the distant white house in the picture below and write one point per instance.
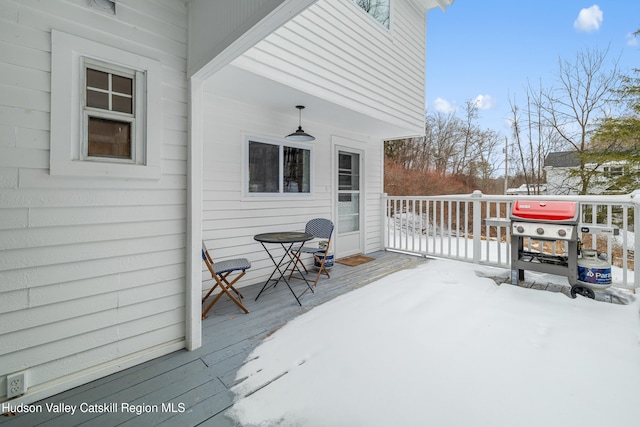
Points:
(132, 130)
(558, 165)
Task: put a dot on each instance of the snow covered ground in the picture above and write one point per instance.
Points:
(440, 345)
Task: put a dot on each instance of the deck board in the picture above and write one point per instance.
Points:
(201, 378)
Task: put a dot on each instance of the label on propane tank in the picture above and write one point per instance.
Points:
(595, 276)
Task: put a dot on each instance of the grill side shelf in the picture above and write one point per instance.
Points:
(497, 222)
(599, 229)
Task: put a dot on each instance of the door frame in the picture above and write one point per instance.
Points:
(354, 147)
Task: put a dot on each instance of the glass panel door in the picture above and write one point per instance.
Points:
(348, 192)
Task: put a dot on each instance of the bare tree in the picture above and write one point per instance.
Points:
(561, 118)
(572, 107)
(486, 149)
(518, 147)
(451, 147)
(442, 139)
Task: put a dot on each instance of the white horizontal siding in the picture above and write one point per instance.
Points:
(122, 340)
(91, 362)
(41, 239)
(43, 279)
(92, 272)
(374, 183)
(334, 51)
(78, 322)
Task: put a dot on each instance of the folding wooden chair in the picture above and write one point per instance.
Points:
(220, 272)
(323, 229)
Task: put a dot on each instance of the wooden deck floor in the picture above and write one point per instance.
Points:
(200, 380)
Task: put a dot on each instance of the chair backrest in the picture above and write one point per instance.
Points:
(320, 227)
(205, 251)
(206, 257)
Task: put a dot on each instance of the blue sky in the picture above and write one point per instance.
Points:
(489, 50)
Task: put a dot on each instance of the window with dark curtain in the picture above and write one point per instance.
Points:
(296, 167)
(263, 167)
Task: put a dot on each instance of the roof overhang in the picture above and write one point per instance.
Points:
(243, 86)
(207, 57)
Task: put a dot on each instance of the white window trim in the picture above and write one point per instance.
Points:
(280, 195)
(68, 54)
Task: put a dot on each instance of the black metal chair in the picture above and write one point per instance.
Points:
(321, 228)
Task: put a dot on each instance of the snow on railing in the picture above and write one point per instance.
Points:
(475, 228)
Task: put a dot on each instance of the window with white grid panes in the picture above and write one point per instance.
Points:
(109, 113)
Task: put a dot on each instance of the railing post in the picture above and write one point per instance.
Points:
(477, 226)
(635, 197)
(385, 221)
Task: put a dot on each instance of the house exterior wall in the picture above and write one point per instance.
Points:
(231, 218)
(335, 51)
(559, 182)
(92, 271)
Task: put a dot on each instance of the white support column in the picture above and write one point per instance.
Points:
(193, 322)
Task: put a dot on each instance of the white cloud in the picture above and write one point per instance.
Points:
(444, 106)
(632, 40)
(589, 19)
(484, 102)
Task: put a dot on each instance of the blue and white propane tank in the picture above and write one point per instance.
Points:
(328, 263)
(594, 274)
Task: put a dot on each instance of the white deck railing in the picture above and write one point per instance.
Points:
(454, 227)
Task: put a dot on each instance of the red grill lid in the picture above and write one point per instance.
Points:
(551, 211)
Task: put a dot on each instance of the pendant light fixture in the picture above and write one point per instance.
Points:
(300, 135)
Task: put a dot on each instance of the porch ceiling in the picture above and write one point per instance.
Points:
(244, 86)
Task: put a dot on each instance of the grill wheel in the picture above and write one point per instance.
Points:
(581, 290)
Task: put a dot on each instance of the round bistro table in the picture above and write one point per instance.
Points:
(286, 240)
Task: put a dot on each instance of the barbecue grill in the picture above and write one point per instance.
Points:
(547, 223)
